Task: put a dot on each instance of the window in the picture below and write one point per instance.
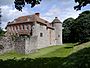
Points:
(16, 27)
(23, 27)
(19, 27)
(41, 34)
(58, 35)
(31, 32)
(27, 27)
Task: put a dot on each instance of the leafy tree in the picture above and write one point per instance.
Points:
(67, 24)
(19, 4)
(82, 26)
(82, 3)
(1, 32)
(77, 30)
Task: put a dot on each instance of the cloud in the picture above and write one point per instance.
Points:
(9, 14)
(54, 11)
(70, 13)
(48, 9)
(6, 2)
(61, 13)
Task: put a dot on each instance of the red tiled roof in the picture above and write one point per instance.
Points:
(28, 19)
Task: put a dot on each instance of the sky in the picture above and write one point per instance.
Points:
(48, 9)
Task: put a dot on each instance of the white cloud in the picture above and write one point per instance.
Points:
(62, 14)
(6, 2)
(8, 14)
(48, 10)
(51, 13)
(70, 12)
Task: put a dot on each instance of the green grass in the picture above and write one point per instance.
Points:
(52, 51)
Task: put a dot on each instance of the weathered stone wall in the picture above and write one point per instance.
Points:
(30, 44)
(20, 45)
(58, 33)
(6, 44)
(41, 41)
(26, 45)
(53, 41)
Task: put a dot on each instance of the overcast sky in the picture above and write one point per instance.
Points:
(48, 9)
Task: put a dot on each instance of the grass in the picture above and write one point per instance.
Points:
(52, 51)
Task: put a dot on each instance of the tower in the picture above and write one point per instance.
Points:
(56, 23)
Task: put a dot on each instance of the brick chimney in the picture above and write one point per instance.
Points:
(38, 14)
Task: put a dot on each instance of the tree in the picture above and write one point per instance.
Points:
(67, 24)
(82, 3)
(19, 4)
(77, 30)
(82, 26)
(1, 32)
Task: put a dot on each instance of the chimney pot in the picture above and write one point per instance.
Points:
(38, 14)
(56, 17)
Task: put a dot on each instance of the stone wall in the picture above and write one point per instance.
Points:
(20, 45)
(58, 33)
(6, 44)
(30, 44)
(26, 45)
(44, 40)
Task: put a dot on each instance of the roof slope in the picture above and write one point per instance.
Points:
(28, 19)
(56, 20)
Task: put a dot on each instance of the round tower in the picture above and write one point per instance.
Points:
(56, 23)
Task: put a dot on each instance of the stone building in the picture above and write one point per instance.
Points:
(34, 33)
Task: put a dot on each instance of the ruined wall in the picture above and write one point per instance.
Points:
(26, 45)
(30, 44)
(20, 45)
(6, 44)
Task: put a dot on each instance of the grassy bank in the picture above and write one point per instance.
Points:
(53, 51)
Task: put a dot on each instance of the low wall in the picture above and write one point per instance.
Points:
(6, 44)
(31, 44)
(20, 45)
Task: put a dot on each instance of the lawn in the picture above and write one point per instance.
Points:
(64, 56)
(52, 51)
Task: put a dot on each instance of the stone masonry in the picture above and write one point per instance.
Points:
(6, 44)
(27, 34)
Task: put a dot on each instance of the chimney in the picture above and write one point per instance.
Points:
(56, 17)
(38, 14)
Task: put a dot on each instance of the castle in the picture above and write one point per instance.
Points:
(34, 33)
